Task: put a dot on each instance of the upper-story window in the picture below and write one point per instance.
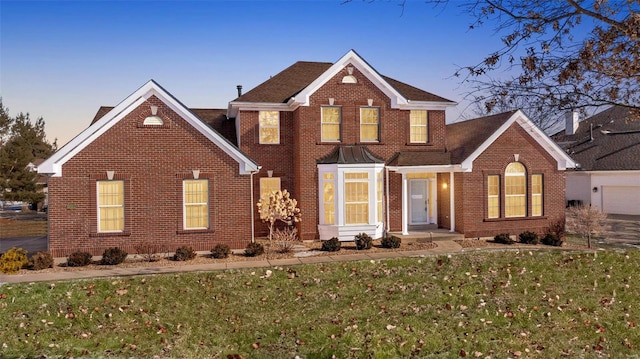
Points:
(419, 128)
(331, 122)
(369, 124)
(269, 122)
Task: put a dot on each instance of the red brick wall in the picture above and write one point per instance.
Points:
(152, 161)
(301, 145)
(471, 201)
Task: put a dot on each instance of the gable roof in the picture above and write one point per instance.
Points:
(109, 117)
(294, 85)
(468, 139)
(606, 141)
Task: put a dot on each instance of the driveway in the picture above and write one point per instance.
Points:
(622, 229)
(31, 244)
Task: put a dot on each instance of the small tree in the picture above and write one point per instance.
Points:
(278, 206)
(585, 221)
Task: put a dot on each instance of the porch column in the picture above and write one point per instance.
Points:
(452, 203)
(405, 205)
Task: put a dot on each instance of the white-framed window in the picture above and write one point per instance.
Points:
(195, 194)
(369, 124)
(418, 128)
(110, 206)
(493, 196)
(356, 198)
(269, 185)
(269, 123)
(350, 196)
(330, 122)
(515, 193)
(536, 195)
(328, 198)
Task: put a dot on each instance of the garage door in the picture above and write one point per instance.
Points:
(621, 199)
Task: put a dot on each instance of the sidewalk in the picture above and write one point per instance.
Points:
(444, 247)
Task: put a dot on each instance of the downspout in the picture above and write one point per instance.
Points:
(253, 223)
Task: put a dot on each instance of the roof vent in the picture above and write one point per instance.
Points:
(239, 87)
(349, 79)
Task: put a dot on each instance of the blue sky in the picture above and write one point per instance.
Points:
(62, 60)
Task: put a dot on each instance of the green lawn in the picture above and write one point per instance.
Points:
(545, 304)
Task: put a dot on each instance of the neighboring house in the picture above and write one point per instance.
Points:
(360, 152)
(607, 148)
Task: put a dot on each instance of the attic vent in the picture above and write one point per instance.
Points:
(154, 119)
(349, 79)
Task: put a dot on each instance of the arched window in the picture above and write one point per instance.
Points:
(515, 190)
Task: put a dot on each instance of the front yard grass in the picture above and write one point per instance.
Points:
(544, 304)
(23, 225)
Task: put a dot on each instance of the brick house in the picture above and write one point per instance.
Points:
(360, 152)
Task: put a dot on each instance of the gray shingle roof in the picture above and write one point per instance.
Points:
(350, 154)
(606, 141)
(286, 84)
(463, 138)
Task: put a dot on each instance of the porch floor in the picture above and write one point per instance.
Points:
(426, 234)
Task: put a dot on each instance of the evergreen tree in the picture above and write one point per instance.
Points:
(21, 142)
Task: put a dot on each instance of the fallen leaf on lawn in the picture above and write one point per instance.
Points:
(390, 327)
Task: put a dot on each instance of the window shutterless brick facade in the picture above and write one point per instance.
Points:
(152, 161)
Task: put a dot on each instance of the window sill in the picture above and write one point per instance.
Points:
(110, 234)
(194, 231)
(508, 219)
(419, 144)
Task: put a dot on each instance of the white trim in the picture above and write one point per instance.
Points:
(53, 165)
(351, 58)
(563, 160)
(452, 202)
(427, 169)
(405, 205)
(235, 107)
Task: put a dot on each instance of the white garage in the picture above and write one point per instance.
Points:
(621, 199)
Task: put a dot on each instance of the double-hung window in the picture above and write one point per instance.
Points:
(536, 195)
(196, 203)
(369, 124)
(356, 197)
(269, 185)
(269, 123)
(110, 206)
(328, 197)
(418, 128)
(331, 121)
(493, 196)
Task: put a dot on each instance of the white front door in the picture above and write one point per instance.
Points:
(419, 201)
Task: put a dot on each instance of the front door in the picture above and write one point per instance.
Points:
(419, 201)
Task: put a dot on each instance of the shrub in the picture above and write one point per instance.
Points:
(41, 260)
(79, 259)
(285, 239)
(150, 252)
(363, 241)
(113, 256)
(331, 245)
(552, 239)
(503, 238)
(254, 249)
(13, 260)
(184, 253)
(220, 251)
(391, 242)
(528, 237)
